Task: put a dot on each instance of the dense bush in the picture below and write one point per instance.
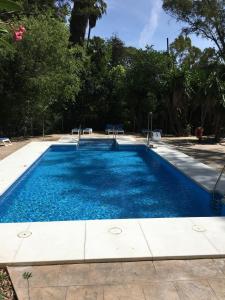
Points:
(39, 76)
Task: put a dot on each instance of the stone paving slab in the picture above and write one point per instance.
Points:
(117, 239)
(174, 279)
(176, 238)
(194, 169)
(9, 241)
(108, 240)
(52, 242)
(213, 230)
(14, 165)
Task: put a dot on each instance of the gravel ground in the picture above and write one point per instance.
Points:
(6, 289)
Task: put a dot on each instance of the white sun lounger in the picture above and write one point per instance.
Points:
(109, 129)
(156, 136)
(87, 130)
(120, 130)
(6, 141)
(75, 130)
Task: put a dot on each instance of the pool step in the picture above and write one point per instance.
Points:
(96, 144)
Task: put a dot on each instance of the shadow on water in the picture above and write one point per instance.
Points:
(80, 185)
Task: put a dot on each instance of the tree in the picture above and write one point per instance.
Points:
(203, 17)
(183, 52)
(118, 50)
(98, 8)
(84, 12)
(40, 73)
(60, 8)
(8, 6)
(144, 87)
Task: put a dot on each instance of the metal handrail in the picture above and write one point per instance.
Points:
(114, 133)
(149, 138)
(217, 182)
(79, 135)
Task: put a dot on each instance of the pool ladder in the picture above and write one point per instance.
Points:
(218, 202)
(79, 137)
(114, 134)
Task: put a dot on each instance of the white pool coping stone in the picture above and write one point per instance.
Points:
(194, 169)
(109, 240)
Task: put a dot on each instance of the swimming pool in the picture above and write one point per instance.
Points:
(99, 181)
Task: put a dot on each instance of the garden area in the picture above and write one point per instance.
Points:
(56, 75)
(53, 77)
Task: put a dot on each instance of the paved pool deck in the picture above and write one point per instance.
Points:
(143, 280)
(110, 240)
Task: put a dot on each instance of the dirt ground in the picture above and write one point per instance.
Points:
(18, 143)
(211, 154)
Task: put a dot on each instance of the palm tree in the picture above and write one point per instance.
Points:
(96, 12)
(85, 12)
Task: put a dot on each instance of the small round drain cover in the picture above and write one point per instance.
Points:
(115, 230)
(198, 228)
(24, 234)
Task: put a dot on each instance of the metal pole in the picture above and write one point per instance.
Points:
(168, 47)
(151, 124)
(151, 121)
(217, 182)
(148, 129)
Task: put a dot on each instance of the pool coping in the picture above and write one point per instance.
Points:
(109, 240)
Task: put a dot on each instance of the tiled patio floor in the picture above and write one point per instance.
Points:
(146, 280)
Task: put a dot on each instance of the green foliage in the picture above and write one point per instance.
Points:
(118, 50)
(183, 51)
(27, 275)
(38, 73)
(9, 5)
(203, 17)
(84, 12)
(46, 84)
(3, 277)
(59, 8)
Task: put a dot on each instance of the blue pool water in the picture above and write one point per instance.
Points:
(99, 182)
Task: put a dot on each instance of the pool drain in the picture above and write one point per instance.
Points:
(198, 228)
(115, 230)
(24, 234)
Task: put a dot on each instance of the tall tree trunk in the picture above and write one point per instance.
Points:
(89, 35)
(78, 23)
(43, 128)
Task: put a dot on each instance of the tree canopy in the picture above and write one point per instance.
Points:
(85, 12)
(203, 17)
(48, 83)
